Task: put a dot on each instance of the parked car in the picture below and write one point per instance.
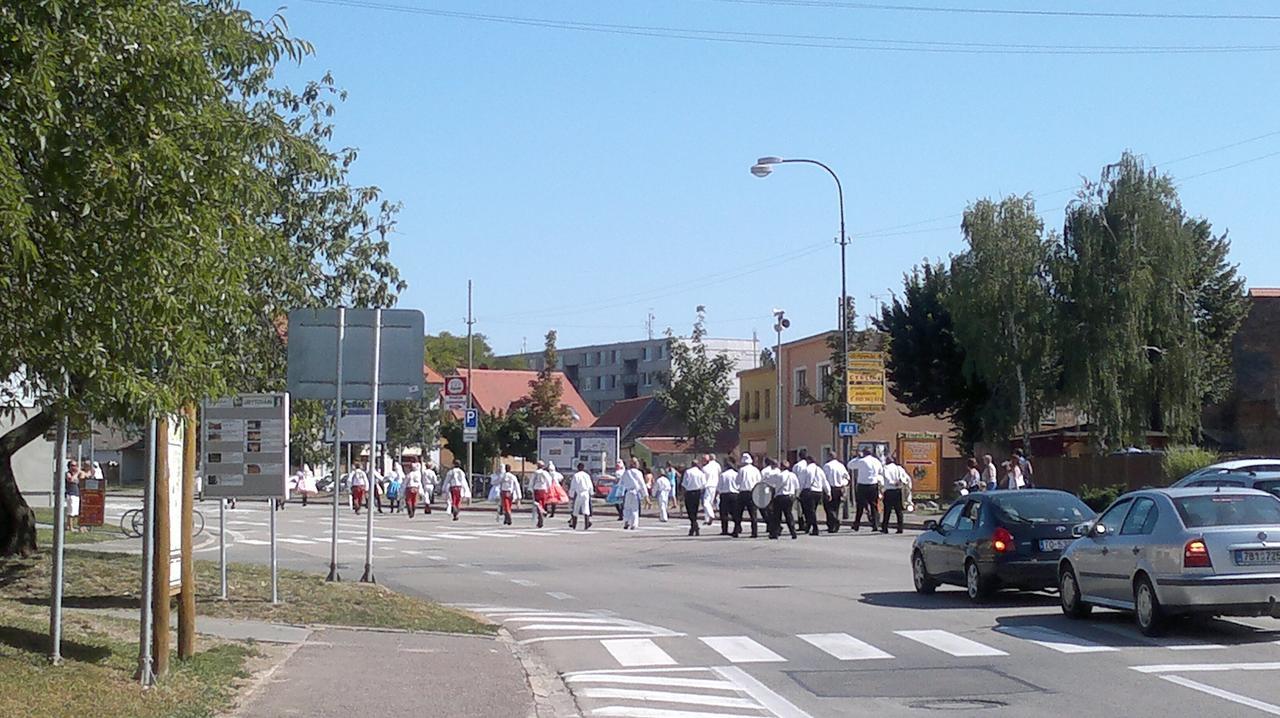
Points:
(604, 484)
(1168, 552)
(1001, 539)
(1235, 466)
(1262, 479)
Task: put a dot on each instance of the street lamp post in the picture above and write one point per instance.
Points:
(780, 322)
(763, 168)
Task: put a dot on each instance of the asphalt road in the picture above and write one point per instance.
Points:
(653, 624)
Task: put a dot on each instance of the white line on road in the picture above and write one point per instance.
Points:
(521, 581)
(741, 649)
(1171, 644)
(665, 680)
(408, 537)
(843, 646)
(632, 652)
(637, 712)
(781, 707)
(1225, 695)
(1055, 640)
(1206, 667)
(582, 627)
(437, 557)
(647, 696)
(494, 573)
(592, 637)
(560, 596)
(950, 643)
(302, 542)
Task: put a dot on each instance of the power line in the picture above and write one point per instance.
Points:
(837, 4)
(834, 42)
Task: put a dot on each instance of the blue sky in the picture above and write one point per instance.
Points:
(583, 179)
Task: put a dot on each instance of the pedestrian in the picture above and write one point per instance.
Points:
(711, 470)
(359, 487)
(673, 476)
(662, 494)
(694, 484)
(455, 481)
(786, 485)
(745, 483)
(508, 493)
(558, 494)
(540, 487)
(71, 492)
(868, 475)
(377, 484)
(727, 495)
(798, 468)
(897, 492)
(412, 490)
(395, 486)
(633, 492)
(1024, 466)
(615, 493)
(308, 487)
(813, 491)
(580, 490)
(1013, 474)
(838, 482)
(429, 482)
(973, 477)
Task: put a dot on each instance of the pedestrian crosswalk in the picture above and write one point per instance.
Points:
(723, 692)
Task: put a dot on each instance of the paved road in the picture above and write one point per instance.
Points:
(652, 624)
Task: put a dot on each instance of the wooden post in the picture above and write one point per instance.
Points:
(160, 592)
(187, 597)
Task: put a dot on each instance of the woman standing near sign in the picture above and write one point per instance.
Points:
(72, 493)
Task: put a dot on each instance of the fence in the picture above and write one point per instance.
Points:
(1072, 474)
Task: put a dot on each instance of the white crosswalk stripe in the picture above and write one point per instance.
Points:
(1054, 640)
(632, 652)
(950, 643)
(844, 647)
(741, 649)
(677, 693)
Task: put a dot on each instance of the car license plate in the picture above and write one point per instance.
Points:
(1257, 557)
(1049, 545)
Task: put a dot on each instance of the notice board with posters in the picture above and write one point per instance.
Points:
(864, 381)
(246, 446)
(172, 446)
(569, 447)
(920, 453)
(93, 501)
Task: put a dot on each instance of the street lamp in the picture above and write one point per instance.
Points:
(780, 322)
(763, 168)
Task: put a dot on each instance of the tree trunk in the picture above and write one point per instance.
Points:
(17, 520)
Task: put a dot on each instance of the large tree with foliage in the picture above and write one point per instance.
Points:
(411, 423)
(1002, 313)
(1148, 303)
(925, 360)
(446, 352)
(162, 205)
(545, 405)
(696, 390)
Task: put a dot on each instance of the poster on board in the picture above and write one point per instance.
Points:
(920, 453)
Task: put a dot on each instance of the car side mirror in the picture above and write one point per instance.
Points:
(930, 525)
(1098, 531)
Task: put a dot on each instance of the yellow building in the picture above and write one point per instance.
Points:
(758, 411)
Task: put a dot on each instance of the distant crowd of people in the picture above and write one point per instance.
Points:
(1015, 473)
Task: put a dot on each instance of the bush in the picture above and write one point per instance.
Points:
(1179, 461)
(1101, 497)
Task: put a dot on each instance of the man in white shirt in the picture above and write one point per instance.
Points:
(838, 481)
(540, 487)
(694, 484)
(868, 475)
(633, 491)
(711, 468)
(785, 485)
(412, 487)
(455, 480)
(508, 493)
(727, 495)
(897, 493)
(429, 482)
(813, 490)
(744, 483)
(359, 482)
(797, 468)
(580, 490)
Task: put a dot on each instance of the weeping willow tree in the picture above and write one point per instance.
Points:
(1148, 304)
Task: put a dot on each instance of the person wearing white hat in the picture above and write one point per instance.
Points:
(662, 494)
(633, 490)
(744, 483)
(711, 469)
(454, 486)
(540, 487)
(727, 495)
(580, 490)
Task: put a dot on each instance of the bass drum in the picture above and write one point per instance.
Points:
(762, 495)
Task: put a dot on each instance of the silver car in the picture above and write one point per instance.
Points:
(1168, 552)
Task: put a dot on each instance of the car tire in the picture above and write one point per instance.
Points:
(976, 585)
(1073, 606)
(1146, 608)
(920, 575)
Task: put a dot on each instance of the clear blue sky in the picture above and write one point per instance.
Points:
(584, 178)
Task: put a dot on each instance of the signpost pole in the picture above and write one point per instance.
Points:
(222, 548)
(145, 675)
(271, 509)
(337, 449)
(470, 378)
(59, 529)
(160, 595)
(373, 445)
(187, 597)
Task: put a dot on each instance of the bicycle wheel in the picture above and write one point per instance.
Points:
(197, 523)
(126, 522)
(139, 523)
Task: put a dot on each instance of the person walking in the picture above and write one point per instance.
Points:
(868, 475)
(508, 493)
(1013, 479)
(412, 490)
(785, 485)
(359, 487)
(744, 483)
(972, 476)
(661, 493)
(727, 495)
(711, 468)
(837, 482)
(694, 484)
(989, 472)
(633, 492)
(71, 492)
(455, 480)
(580, 490)
(813, 491)
(557, 489)
(897, 492)
(395, 486)
(798, 468)
(429, 482)
(540, 487)
(1024, 466)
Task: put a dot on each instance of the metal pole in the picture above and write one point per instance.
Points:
(777, 369)
(271, 510)
(145, 675)
(470, 378)
(222, 547)
(59, 529)
(337, 449)
(373, 443)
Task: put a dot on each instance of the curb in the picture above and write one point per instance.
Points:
(551, 697)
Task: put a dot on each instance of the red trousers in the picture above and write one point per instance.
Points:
(540, 497)
(455, 494)
(357, 496)
(411, 499)
(506, 502)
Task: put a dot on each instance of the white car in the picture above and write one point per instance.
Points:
(1228, 467)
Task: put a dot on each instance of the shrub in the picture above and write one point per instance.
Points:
(1101, 497)
(1179, 461)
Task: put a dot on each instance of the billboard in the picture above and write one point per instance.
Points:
(598, 448)
(864, 381)
(245, 452)
(920, 453)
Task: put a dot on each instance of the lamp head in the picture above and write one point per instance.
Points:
(761, 170)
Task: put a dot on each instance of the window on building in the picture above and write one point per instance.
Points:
(755, 414)
(648, 378)
(613, 357)
(586, 359)
(644, 354)
(613, 381)
(799, 386)
(824, 372)
(768, 403)
(600, 358)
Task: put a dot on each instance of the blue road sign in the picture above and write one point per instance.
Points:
(471, 419)
(848, 428)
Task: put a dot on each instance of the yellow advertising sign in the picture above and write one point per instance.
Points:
(864, 386)
(920, 453)
(870, 397)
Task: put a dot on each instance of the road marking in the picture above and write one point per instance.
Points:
(494, 573)
(636, 712)
(559, 618)
(1055, 640)
(559, 596)
(664, 680)
(649, 696)
(295, 541)
(584, 626)
(950, 643)
(437, 557)
(781, 707)
(407, 537)
(254, 542)
(632, 652)
(1132, 635)
(523, 582)
(591, 637)
(843, 646)
(1206, 667)
(458, 537)
(741, 649)
(1225, 695)
(409, 552)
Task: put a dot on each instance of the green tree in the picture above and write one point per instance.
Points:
(544, 405)
(446, 353)
(831, 401)
(925, 361)
(1170, 299)
(1002, 313)
(766, 359)
(163, 206)
(411, 423)
(696, 390)
(499, 434)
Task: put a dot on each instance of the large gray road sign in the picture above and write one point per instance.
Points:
(313, 354)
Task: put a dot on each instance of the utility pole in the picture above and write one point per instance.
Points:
(781, 322)
(471, 357)
(337, 453)
(648, 324)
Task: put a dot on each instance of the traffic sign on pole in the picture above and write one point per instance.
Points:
(470, 425)
(848, 428)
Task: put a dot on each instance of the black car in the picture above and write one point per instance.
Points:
(998, 539)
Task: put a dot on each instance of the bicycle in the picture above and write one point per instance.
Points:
(133, 521)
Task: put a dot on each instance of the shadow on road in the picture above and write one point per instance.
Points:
(1117, 629)
(950, 600)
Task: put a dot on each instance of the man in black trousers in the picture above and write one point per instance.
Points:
(748, 477)
(693, 483)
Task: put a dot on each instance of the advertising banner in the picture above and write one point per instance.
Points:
(920, 453)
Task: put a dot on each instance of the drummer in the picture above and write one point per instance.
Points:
(745, 484)
(785, 485)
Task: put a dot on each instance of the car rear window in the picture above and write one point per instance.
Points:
(1228, 510)
(1058, 507)
(1271, 486)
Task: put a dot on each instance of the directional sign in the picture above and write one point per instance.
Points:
(848, 428)
(455, 392)
(313, 354)
(470, 425)
(864, 385)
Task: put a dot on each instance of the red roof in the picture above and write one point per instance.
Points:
(433, 377)
(623, 412)
(498, 389)
(1264, 293)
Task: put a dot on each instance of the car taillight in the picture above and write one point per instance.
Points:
(1196, 555)
(1002, 540)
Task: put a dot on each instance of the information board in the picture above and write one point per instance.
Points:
(864, 387)
(173, 447)
(569, 447)
(246, 446)
(920, 453)
(93, 502)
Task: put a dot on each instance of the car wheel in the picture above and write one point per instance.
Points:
(978, 587)
(1069, 593)
(920, 575)
(1146, 605)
